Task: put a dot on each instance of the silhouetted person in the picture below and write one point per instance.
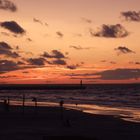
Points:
(76, 104)
(35, 100)
(8, 101)
(6, 105)
(67, 123)
(23, 103)
(61, 103)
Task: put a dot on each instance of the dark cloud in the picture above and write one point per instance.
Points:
(110, 31)
(60, 34)
(123, 50)
(8, 5)
(59, 62)
(37, 21)
(72, 67)
(13, 55)
(86, 20)
(54, 54)
(9, 65)
(47, 55)
(36, 61)
(13, 27)
(6, 49)
(6, 66)
(20, 63)
(79, 47)
(119, 74)
(131, 16)
(4, 45)
(58, 54)
(137, 63)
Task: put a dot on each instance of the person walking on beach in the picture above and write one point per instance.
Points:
(61, 103)
(6, 105)
(23, 104)
(35, 101)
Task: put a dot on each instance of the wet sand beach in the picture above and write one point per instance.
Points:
(44, 123)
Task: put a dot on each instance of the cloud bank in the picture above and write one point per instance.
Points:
(123, 50)
(13, 27)
(59, 62)
(131, 16)
(54, 54)
(7, 65)
(8, 5)
(119, 74)
(6, 50)
(110, 31)
(116, 74)
(36, 61)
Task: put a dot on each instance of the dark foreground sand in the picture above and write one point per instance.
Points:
(48, 123)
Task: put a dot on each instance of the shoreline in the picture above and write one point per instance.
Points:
(124, 113)
(35, 123)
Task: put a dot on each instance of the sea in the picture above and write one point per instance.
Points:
(119, 100)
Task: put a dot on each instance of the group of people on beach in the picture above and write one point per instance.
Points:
(6, 103)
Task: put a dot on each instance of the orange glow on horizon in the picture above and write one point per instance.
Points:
(69, 32)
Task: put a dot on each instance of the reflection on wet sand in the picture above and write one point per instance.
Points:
(125, 113)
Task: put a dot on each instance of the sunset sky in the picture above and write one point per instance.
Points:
(64, 41)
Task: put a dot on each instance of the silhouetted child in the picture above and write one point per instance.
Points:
(6, 105)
